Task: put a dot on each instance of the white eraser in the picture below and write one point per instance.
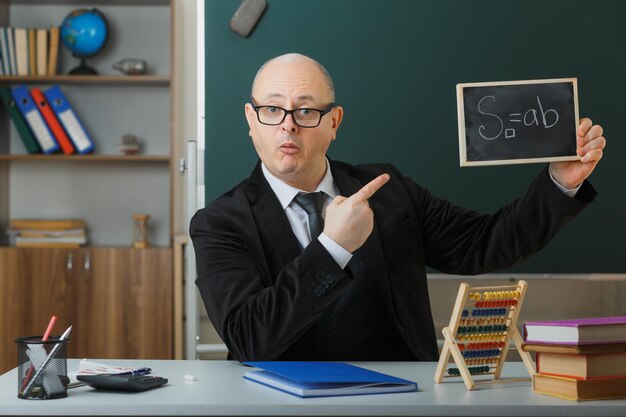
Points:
(191, 378)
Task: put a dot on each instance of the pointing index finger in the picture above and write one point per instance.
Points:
(370, 188)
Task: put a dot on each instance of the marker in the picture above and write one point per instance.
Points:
(46, 335)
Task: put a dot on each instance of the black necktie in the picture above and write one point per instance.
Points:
(313, 204)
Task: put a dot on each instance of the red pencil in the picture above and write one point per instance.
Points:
(45, 337)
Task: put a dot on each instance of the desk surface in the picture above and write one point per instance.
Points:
(221, 390)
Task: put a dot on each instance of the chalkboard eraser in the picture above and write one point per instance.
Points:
(247, 16)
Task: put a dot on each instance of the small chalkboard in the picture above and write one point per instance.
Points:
(514, 122)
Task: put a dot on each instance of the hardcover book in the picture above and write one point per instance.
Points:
(582, 366)
(322, 379)
(587, 349)
(580, 390)
(577, 331)
(46, 224)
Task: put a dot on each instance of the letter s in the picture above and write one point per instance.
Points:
(481, 128)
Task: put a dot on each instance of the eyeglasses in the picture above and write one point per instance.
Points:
(303, 117)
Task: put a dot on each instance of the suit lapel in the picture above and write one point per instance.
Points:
(280, 243)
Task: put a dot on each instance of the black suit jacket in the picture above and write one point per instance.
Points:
(262, 292)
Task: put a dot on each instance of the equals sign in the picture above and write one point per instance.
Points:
(517, 115)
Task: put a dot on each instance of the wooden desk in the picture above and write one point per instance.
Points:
(221, 390)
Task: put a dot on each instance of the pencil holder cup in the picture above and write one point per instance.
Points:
(42, 368)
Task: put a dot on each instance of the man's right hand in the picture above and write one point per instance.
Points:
(349, 220)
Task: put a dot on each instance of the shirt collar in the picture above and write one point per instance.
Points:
(286, 192)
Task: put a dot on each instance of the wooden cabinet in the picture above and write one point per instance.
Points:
(119, 300)
(34, 285)
(124, 303)
(13, 304)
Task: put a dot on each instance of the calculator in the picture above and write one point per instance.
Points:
(122, 382)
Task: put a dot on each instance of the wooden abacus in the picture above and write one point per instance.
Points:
(483, 323)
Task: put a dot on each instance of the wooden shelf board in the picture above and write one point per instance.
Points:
(87, 158)
(87, 79)
(82, 2)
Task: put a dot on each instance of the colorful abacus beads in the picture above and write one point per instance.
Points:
(484, 345)
(473, 370)
(489, 312)
(482, 321)
(481, 337)
(495, 303)
(482, 361)
(494, 295)
(481, 353)
(482, 329)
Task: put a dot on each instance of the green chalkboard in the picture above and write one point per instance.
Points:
(396, 64)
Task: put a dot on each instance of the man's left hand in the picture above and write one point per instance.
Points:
(589, 146)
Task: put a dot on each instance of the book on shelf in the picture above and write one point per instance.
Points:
(51, 120)
(4, 48)
(47, 224)
(34, 119)
(580, 390)
(32, 51)
(577, 331)
(42, 52)
(67, 245)
(29, 141)
(53, 50)
(21, 51)
(11, 47)
(72, 125)
(28, 241)
(322, 379)
(47, 233)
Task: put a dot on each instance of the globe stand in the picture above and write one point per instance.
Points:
(83, 68)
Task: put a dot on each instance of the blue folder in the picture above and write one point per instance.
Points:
(66, 115)
(34, 119)
(323, 379)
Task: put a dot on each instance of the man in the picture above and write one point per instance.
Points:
(277, 289)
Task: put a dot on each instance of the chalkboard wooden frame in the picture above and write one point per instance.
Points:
(466, 160)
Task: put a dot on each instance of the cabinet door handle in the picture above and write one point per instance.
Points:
(70, 261)
(87, 263)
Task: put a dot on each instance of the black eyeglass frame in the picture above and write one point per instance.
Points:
(322, 113)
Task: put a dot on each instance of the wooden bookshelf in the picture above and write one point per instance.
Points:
(104, 188)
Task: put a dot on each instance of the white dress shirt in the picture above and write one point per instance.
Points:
(299, 219)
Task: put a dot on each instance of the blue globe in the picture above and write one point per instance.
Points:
(84, 32)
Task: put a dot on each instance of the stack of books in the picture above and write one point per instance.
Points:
(580, 359)
(29, 51)
(63, 233)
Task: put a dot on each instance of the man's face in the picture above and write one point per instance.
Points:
(292, 153)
